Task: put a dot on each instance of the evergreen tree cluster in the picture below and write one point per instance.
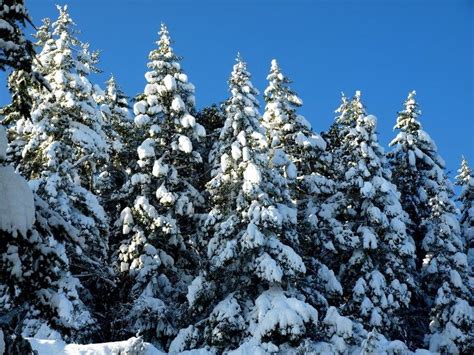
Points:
(232, 227)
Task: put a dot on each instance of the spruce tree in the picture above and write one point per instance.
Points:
(377, 273)
(122, 140)
(446, 280)
(416, 167)
(15, 50)
(212, 118)
(247, 288)
(35, 282)
(16, 115)
(426, 194)
(465, 179)
(302, 157)
(62, 144)
(156, 256)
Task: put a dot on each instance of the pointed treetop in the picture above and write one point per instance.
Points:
(111, 86)
(464, 173)
(350, 110)
(164, 45)
(111, 80)
(240, 66)
(275, 66)
(239, 58)
(240, 78)
(407, 119)
(64, 21)
(278, 88)
(164, 35)
(44, 32)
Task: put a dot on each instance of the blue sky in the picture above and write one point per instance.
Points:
(383, 48)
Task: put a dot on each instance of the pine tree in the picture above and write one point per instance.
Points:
(35, 282)
(157, 255)
(465, 180)
(426, 194)
(212, 118)
(446, 281)
(416, 168)
(289, 133)
(122, 142)
(62, 144)
(247, 285)
(16, 116)
(17, 53)
(302, 157)
(15, 50)
(377, 273)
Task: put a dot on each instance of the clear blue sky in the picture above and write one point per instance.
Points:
(383, 48)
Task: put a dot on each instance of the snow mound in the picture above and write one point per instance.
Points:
(130, 347)
(17, 211)
(274, 311)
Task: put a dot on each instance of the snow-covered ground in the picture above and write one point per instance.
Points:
(131, 346)
(136, 346)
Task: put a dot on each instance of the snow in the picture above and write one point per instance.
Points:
(130, 346)
(291, 171)
(188, 121)
(251, 347)
(87, 137)
(140, 107)
(159, 168)
(3, 143)
(226, 309)
(279, 157)
(456, 279)
(194, 288)
(200, 130)
(141, 120)
(169, 83)
(146, 150)
(369, 239)
(235, 151)
(184, 144)
(274, 311)
(367, 189)
(17, 209)
(164, 196)
(177, 104)
(252, 174)
(267, 268)
(342, 325)
(2, 343)
(225, 162)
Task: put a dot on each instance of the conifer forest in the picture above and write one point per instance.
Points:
(144, 225)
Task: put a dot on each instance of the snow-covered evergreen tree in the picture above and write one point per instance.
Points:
(156, 256)
(294, 145)
(15, 50)
(62, 144)
(122, 141)
(301, 155)
(212, 118)
(247, 288)
(34, 268)
(465, 179)
(446, 280)
(426, 194)
(416, 169)
(377, 273)
(17, 114)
